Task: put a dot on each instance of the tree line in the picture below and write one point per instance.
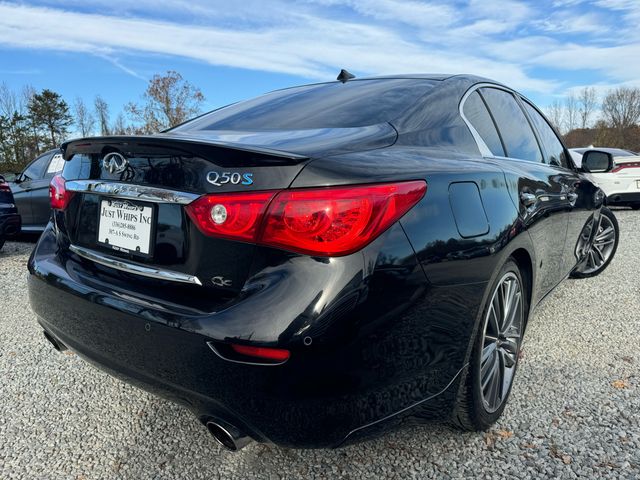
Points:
(33, 122)
(584, 119)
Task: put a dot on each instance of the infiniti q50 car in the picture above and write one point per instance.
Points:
(321, 263)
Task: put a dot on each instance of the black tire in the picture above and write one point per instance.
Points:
(586, 271)
(2, 239)
(635, 207)
(470, 411)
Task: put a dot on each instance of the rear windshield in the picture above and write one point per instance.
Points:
(326, 105)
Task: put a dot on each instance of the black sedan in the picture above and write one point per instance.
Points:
(31, 190)
(321, 263)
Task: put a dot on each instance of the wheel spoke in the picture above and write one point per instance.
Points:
(487, 352)
(488, 370)
(513, 311)
(493, 321)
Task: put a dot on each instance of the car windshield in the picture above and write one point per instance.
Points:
(326, 105)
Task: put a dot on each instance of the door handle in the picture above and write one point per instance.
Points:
(528, 199)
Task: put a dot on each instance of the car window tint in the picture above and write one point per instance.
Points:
(36, 169)
(519, 140)
(55, 166)
(476, 112)
(554, 151)
(327, 105)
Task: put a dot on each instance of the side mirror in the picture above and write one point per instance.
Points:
(595, 161)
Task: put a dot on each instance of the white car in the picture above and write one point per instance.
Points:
(622, 184)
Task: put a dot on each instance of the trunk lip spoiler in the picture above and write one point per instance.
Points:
(128, 191)
(73, 146)
(137, 269)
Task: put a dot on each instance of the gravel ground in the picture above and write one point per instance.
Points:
(574, 411)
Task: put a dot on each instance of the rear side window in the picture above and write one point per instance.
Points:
(36, 169)
(476, 112)
(554, 151)
(55, 166)
(519, 140)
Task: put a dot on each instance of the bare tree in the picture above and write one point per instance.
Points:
(120, 127)
(168, 101)
(9, 102)
(102, 112)
(587, 104)
(621, 107)
(571, 112)
(555, 114)
(85, 121)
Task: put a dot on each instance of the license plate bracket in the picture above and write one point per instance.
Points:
(127, 226)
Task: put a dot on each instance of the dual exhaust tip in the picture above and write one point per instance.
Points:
(228, 436)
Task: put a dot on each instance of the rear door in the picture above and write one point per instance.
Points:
(580, 191)
(29, 182)
(535, 186)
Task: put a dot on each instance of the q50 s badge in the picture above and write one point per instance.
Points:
(234, 178)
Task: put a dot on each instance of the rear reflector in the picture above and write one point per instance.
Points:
(274, 354)
(330, 221)
(58, 194)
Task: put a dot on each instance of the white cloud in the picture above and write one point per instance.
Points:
(508, 40)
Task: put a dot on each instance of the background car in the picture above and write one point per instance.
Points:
(9, 218)
(622, 183)
(322, 263)
(31, 190)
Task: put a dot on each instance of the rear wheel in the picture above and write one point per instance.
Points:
(603, 248)
(1, 242)
(636, 206)
(489, 376)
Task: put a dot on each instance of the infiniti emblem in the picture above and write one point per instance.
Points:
(114, 163)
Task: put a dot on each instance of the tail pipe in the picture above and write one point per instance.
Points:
(57, 344)
(227, 435)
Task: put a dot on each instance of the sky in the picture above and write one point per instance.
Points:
(234, 50)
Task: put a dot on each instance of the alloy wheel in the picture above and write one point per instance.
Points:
(501, 341)
(602, 247)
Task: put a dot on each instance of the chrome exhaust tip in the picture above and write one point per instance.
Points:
(57, 344)
(229, 437)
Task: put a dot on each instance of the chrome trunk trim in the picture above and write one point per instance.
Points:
(129, 191)
(135, 268)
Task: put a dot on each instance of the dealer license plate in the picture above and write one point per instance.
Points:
(126, 226)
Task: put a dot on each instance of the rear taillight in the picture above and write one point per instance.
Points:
(235, 215)
(58, 193)
(4, 187)
(330, 221)
(622, 166)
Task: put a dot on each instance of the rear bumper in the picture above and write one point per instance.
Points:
(10, 225)
(624, 198)
(365, 372)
